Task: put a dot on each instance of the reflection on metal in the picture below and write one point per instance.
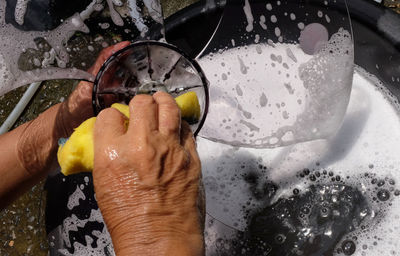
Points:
(147, 67)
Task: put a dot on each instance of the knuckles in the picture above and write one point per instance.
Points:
(106, 112)
(141, 99)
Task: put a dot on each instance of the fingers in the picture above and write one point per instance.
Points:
(169, 117)
(105, 54)
(187, 138)
(110, 123)
(81, 97)
(189, 144)
(143, 114)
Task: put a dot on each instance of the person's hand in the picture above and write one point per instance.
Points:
(30, 150)
(147, 179)
(78, 107)
(37, 149)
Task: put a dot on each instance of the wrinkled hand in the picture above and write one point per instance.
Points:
(37, 140)
(78, 107)
(147, 179)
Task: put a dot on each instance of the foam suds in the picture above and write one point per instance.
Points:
(262, 22)
(52, 65)
(102, 245)
(307, 95)
(249, 16)
(20, 10)
(348, 186)
(73, 199)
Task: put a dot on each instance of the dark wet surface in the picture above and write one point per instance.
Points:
(325, 216)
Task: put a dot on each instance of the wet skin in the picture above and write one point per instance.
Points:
(147, 179)
(146, 176)
(29, 151)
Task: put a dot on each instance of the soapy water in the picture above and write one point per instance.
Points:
(299, 96)
(273, 195)
(55, 63)
(329, 216)
(308, 223)
(325, 103)
(83, 231)
(276, 77)
(328, 197)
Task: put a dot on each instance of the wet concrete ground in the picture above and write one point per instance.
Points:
(22, 227)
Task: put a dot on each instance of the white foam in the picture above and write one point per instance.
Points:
(15, 42)
(115, 16)
(102, 244)
(262, 22)
(20, 10)
(370, 136)
(74, 198)
(322, 82)
(249, 16)
(328, 20)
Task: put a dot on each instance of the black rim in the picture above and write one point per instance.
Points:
(193, 62)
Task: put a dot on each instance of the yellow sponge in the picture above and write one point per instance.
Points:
(77, 153)
(124, 109)
(190, 107)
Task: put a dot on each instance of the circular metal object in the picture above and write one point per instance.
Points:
(147, 67)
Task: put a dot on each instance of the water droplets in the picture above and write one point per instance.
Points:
(263, 100)
(383, 195)
(262, 22)
(243, 67)
(348, 247)
(327, 18)
(249, 16)
(277, 31)
(280, 238)
(239, 90)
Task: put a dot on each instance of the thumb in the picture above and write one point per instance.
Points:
(110, 123)
(105, 54)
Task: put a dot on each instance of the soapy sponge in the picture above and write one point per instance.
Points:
(77, 153)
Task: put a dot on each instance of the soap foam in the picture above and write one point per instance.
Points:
(307, 94)
(53, 63)
(73, 199)
(362, 156)
(249, 16)
(103, 242)
(20, 10)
